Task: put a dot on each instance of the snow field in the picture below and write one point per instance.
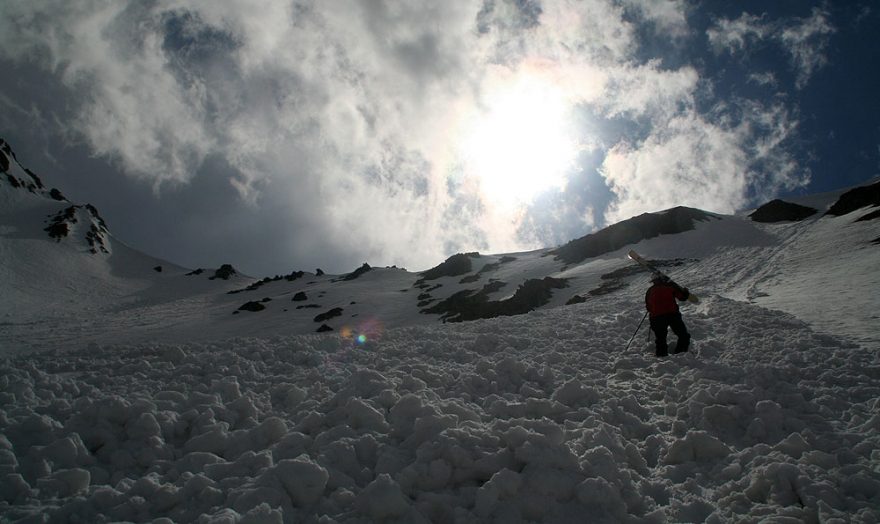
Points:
(540, 417)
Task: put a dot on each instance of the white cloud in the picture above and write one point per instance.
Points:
(351, 111)
(670, 16)
(806, 43)
(713, 165)
(805, 40)
(765, 78)
(734, 36)
(667, 169)
(132, 109)
(647, 90)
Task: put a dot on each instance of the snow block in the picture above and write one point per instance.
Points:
(144, 427)
(262, 514)
(383, 499)
(214, 441)
(364, 416)
(8, 461)
(174, 354)
(68, 452)
(303, 480)
(291, 446)
(65, 482)
(780, 483)
(368, 383)
(268, 432)
(248, 499)
(602, 500)
(696, 446)
(574, 394)
(14, 489)
(196, 461)
(504, 484)
(247, 465)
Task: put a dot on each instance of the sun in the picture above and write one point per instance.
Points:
(520, 142)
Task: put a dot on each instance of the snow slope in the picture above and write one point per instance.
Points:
(533, 418)
(60, 292)
(128, 394)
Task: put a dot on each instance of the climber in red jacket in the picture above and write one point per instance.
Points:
(660, 299)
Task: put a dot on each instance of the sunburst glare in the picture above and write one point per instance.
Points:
(520, 142)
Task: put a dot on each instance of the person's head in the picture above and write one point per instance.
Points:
(659, 279)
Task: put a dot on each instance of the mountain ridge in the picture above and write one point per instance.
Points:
(467, 286)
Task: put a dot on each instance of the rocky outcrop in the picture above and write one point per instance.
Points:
(327, 315)
(874, 215)
(252, 306)
(456, 265)
(7, 156)
(260, 283)
(781, 211)
(62, 223)
(225, 272)
(356, 273)
(856, 199)
(631, 231)
(473, 305)
(576, 299)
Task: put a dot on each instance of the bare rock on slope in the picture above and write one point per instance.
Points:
(631, 231)
(225, 272)
(781, 211)
(856, 199)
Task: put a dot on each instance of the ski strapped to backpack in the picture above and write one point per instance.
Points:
(641, 261)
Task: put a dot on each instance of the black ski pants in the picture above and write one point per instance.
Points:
(660, 326)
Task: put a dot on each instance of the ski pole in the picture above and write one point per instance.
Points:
(637, 330)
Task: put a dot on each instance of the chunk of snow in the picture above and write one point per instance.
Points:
(14, 489)
(303, 480)
(65, 482)
(383, 499)
(696, 446)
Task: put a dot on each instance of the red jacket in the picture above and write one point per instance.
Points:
(660, 298)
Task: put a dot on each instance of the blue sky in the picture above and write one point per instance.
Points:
(326, 134)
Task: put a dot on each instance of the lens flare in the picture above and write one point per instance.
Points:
(369, 330)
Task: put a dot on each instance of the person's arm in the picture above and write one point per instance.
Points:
(681, 293)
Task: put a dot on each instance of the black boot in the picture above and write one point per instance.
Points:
(662, 350)
(683, 344)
